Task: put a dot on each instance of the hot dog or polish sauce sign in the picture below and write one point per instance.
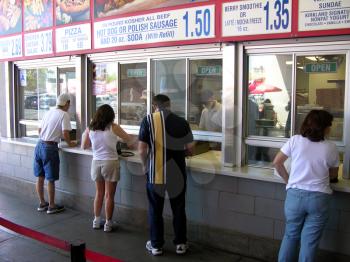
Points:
(256, 17)
(323, 15)
(175, 25)
(73, 38)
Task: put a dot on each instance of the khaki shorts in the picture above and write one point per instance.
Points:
(107, 170)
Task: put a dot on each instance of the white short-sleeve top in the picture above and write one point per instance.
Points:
(310, 163)
(53, 124)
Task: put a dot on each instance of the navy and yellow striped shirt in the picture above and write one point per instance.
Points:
(166, 135)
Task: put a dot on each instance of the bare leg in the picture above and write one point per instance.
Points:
(51, 191)
(100, 191)
(40, 189)
(109, 195)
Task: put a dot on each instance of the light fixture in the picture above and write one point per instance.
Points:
(312, 58)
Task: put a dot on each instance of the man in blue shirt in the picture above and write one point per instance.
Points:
(165, 139)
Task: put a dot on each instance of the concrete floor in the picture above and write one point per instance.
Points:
(124, 243)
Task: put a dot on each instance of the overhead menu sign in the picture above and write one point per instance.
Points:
(11, 47)
(38, 43)
(175, 25)
(323, 15)
(256, 17)
(73, 38)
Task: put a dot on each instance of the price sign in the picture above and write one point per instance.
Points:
(38, 43)
(73, 38)
(256, 17)
(11, 47)
(183, 24)
(323, 15)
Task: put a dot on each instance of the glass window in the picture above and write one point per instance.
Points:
(205, 111)
(320, 84)
(261, 156)
(38, 89)
(170, 79)
(68, 84)
(269, 89)
(38, 92)
(133, 96)
(105, 85)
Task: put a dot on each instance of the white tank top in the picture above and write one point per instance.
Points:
(104, 144)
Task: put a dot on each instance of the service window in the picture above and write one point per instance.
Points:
(205, 96)
(281, 90)
(320, 84)
(169, 78)
(133, 93)
(68, 84)
(37, 93)
(105, 85)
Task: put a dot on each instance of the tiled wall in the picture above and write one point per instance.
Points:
(237, 214)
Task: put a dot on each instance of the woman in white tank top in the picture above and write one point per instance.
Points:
(102, 135)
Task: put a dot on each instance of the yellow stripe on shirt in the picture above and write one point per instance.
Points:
(159, 148)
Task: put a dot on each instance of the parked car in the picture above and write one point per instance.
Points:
(47, 101)
(31, 102)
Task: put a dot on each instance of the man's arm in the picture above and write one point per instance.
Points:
(189, 149)
(67, 138)
(143, 151)
(333, 173)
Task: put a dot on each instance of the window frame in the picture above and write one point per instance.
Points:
(57, 63)
(303, 49)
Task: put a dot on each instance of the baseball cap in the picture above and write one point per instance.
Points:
(62, 99)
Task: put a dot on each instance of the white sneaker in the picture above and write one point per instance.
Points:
(181, 249)
(108, 227)
(152, 250)
(96, 224)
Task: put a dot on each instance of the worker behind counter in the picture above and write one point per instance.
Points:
(211, 118)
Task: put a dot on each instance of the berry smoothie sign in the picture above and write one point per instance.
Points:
(256, 17)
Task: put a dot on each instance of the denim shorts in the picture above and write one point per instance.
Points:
(46, 161)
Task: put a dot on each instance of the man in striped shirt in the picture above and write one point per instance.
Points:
(165, 139)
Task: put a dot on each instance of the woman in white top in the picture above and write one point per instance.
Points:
(314, 162)
(102, 135)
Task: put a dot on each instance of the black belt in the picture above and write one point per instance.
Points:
(50, 142)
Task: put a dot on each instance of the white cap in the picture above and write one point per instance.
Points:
(62, 99)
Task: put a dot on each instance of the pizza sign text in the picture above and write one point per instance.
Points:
(72, 31)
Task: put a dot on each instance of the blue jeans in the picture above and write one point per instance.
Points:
(306, 215)
(46, 161)
(156, 194)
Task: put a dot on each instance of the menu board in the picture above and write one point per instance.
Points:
(116, 7)
(38, 43)
(323, 15)
(11, 47)
(256, 17)
(37, 14)
(73, 38)
(10, 17)
(70, 11)
(175, 25)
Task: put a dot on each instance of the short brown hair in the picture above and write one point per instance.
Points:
(315, 124)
